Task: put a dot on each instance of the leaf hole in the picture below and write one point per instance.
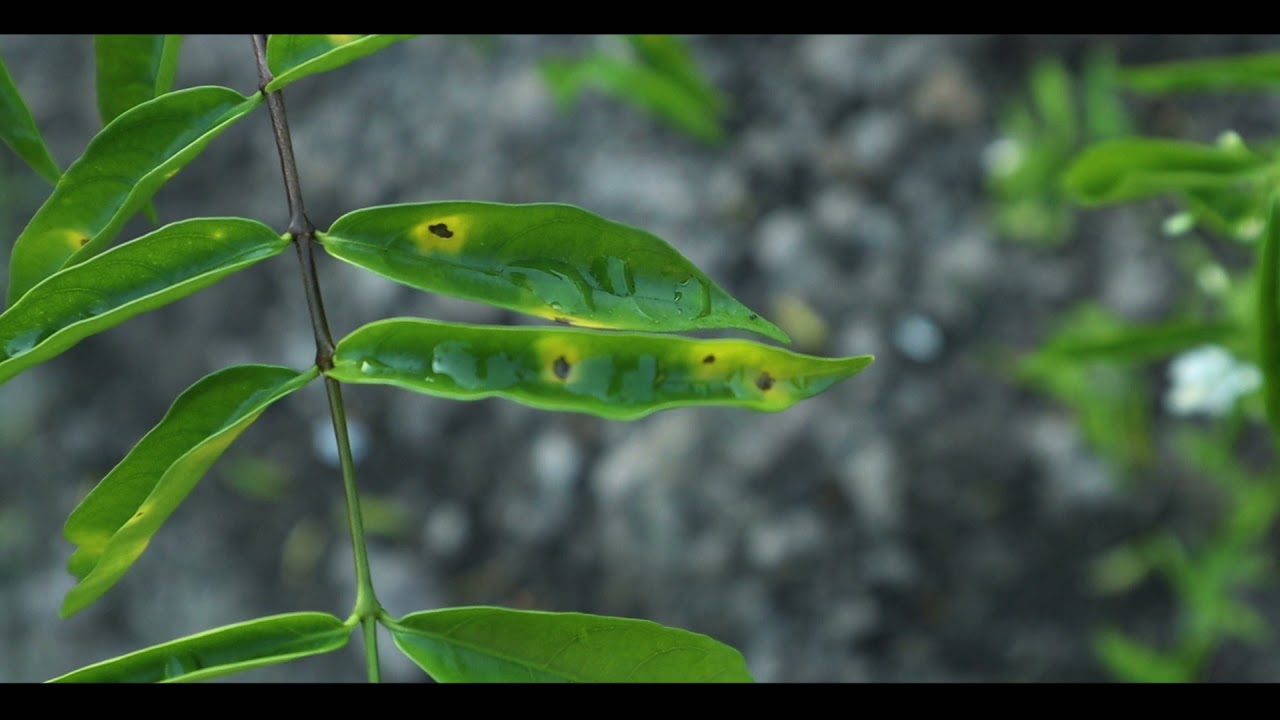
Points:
(561, 368)
(765, 381)
(440, 230)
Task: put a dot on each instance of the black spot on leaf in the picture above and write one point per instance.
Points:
(765, 381)
(83, 241)
(561, 368)
(753, 316)
(708, 359)
(440, 230)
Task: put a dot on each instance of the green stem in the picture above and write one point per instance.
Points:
(367, 608)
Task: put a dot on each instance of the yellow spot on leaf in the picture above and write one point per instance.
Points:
(341, 39)
(441, 234)
(554, 354)
(75, 238)
(554, 315)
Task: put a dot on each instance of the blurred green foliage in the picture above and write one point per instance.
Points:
(1041, 136)
(654, 73)
(1221, 341)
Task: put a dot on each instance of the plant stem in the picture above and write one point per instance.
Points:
(304, 233)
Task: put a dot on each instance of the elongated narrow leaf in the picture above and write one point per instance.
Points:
(489, 644)
(1132, 661)
(153, 270)
(115, 522)
(133, 69)
(670, 55)
(647, 88)
(293, 57)
(19, 132)
(614, 375)
(1257, 71)
(1269, 313)
(222, 651)
(1136, 168)
(120, 170)
(554, 261)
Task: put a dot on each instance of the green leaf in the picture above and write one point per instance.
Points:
(554, 261)
(648, 89)
(133, 69)
(622, 376)
(120, 170)
(222, 651)
(115, 522)
(1052, 96)
(1104, 111)
(670, 56)
(1091, 334)
(1233, 211)
(18, 130)
(1137, 168)
(1269, 314)
(293, 57)
(149, 272)
(1131, 661)
(488, 644)
(1258, 71)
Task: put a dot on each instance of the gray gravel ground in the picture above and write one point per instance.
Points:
(924, 521)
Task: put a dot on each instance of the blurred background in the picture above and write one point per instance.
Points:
(957, 512)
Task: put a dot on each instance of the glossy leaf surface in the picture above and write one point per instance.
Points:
(132, 69)
(115, 522)
(222, 651)
(1256, 71)
(1137, 168)
(18, 129)
(489, 644)
(149, 272)
(293, 57)
(554, 261)
(622, 376)
(120, 170)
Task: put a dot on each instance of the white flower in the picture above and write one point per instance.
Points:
(1208, 380)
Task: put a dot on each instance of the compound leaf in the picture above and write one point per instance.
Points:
(489, 644)
(18, 130)
(120, 170)
(554, 261)
(293, 57)
(1256, 71)
(1137, 168)
(222, 651)
(132, 69)
(621, 376)
(115, 522)
(149, 272)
